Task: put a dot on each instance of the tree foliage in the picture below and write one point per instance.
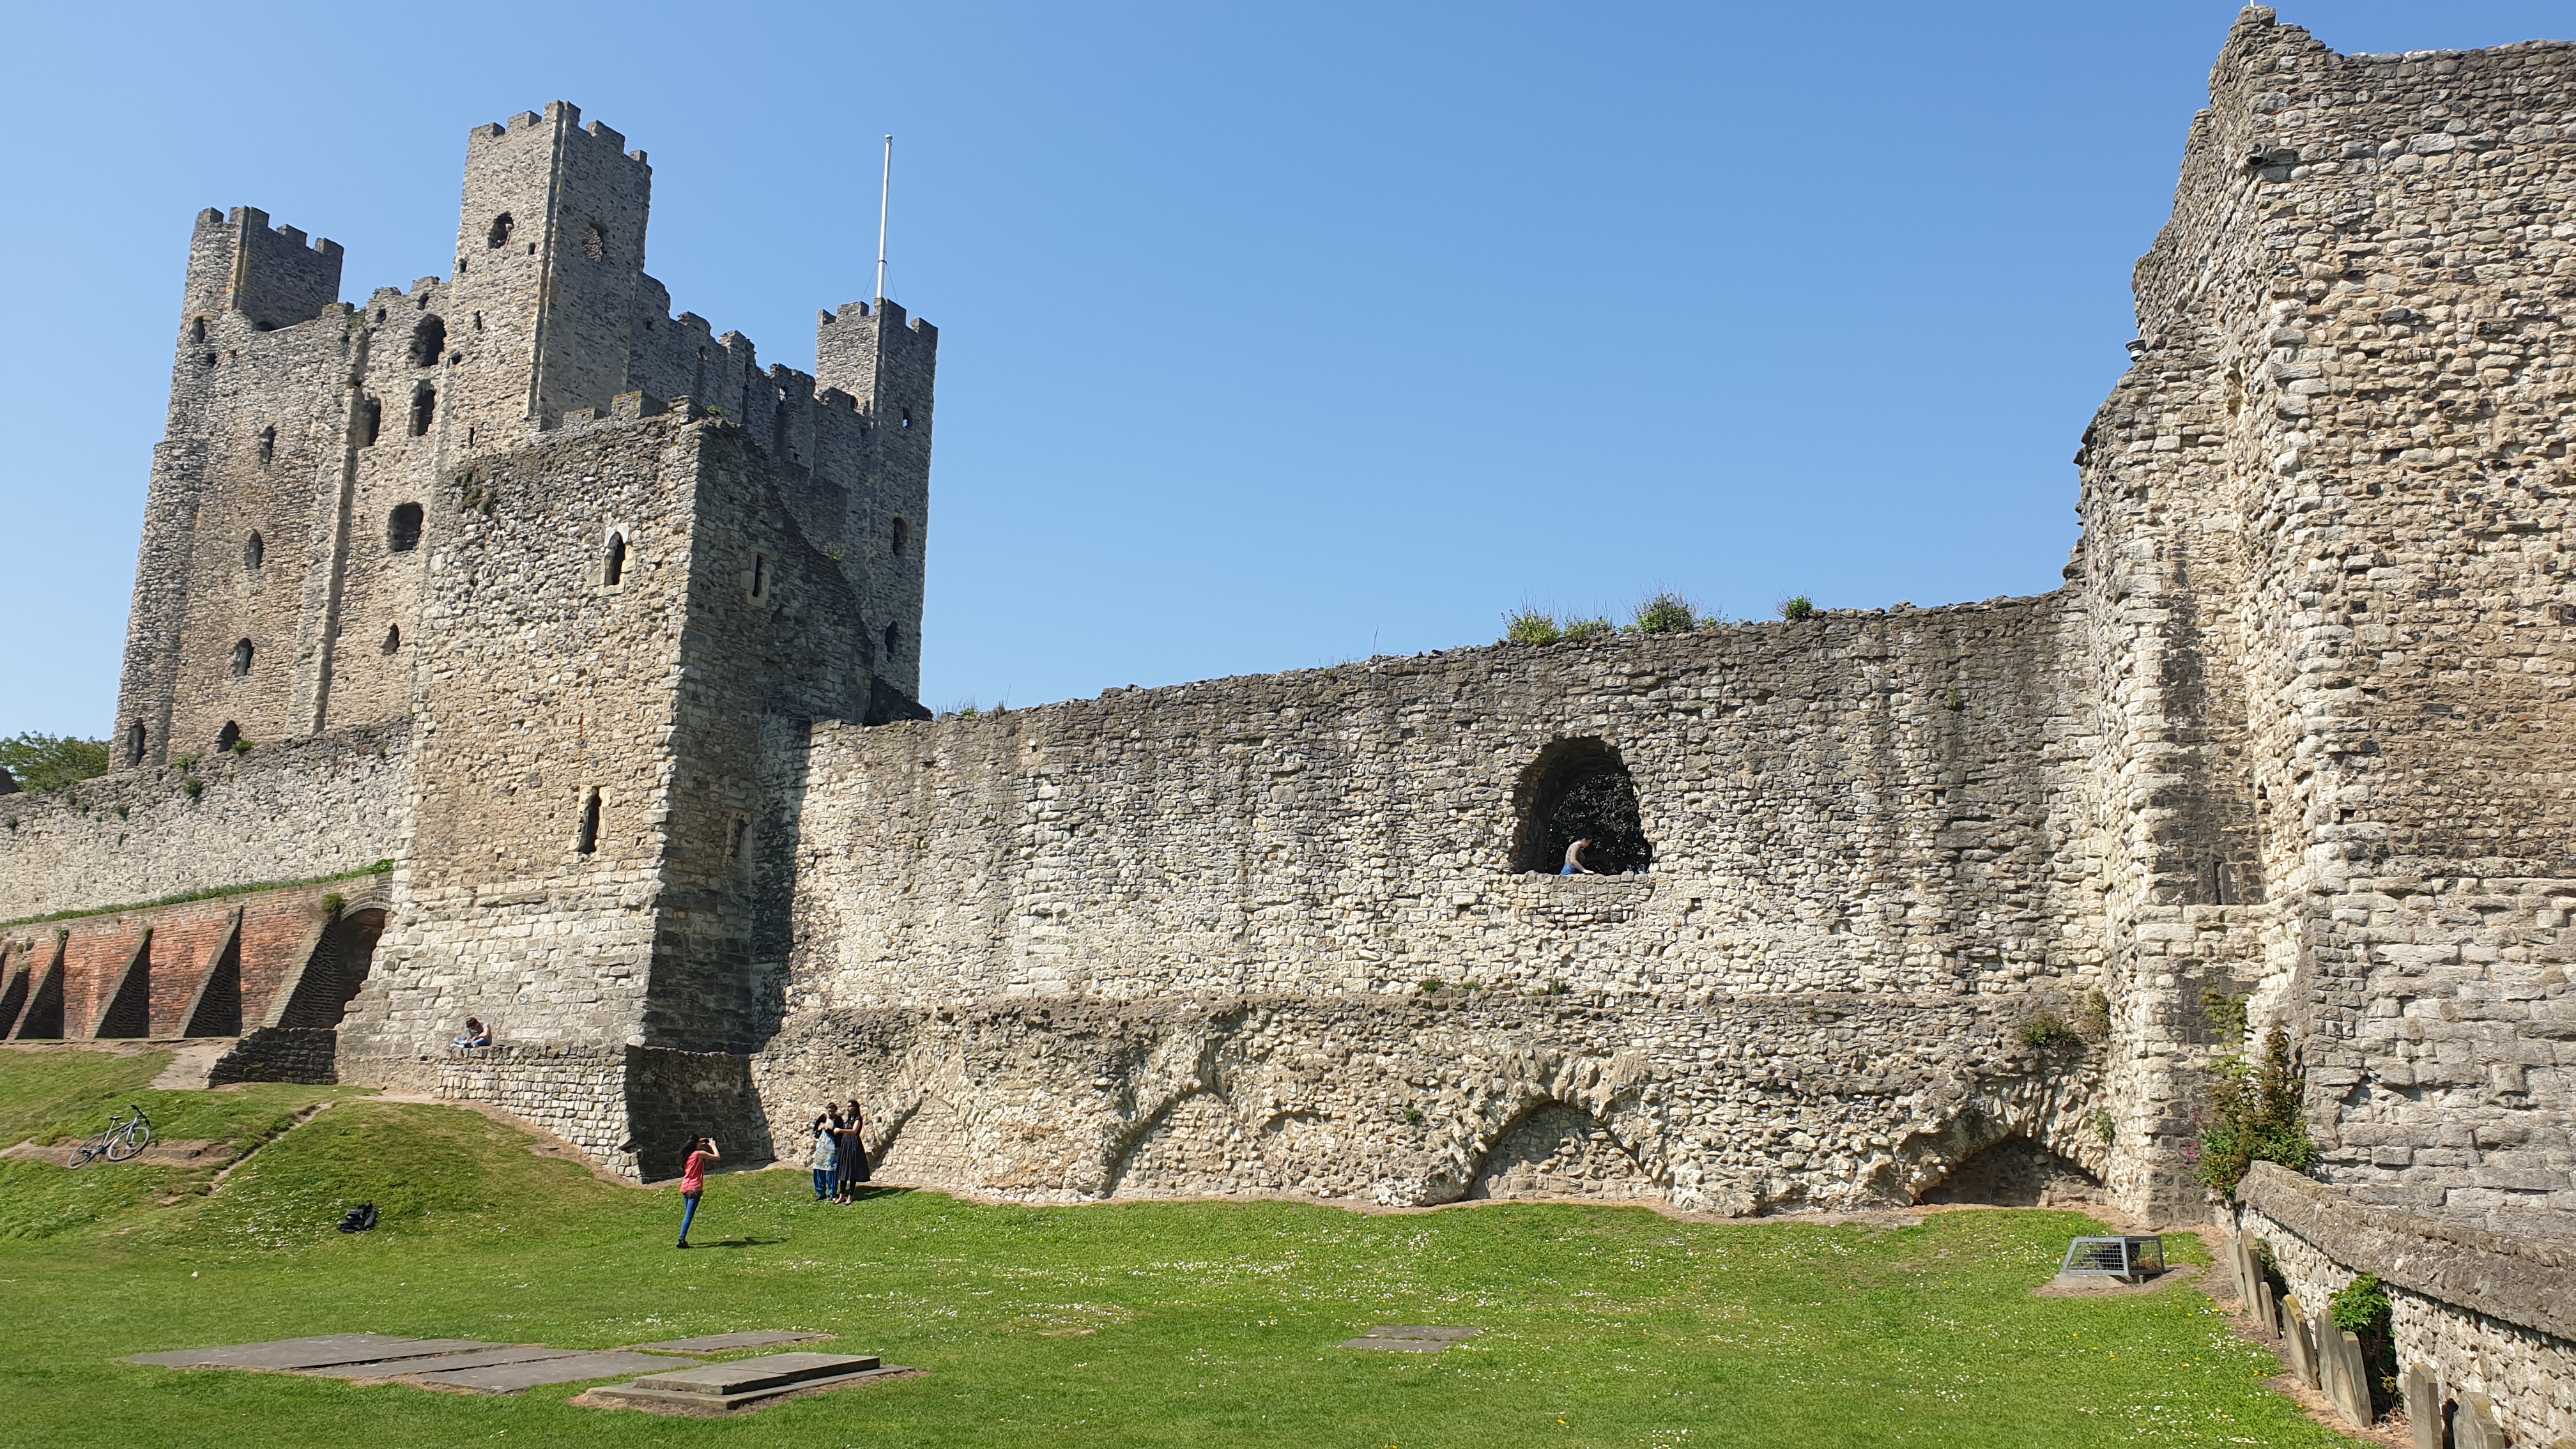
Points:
(49, 762)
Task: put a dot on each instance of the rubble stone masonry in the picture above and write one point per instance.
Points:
(608, 637)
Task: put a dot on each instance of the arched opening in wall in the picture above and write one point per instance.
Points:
(612, 568)
(498, 236)
(134, 737)
(2015, 1172)
(1578, 790)
(402, 528)
(907, 417)
(197, 330)
(227, 737)
(594, 242)
(892, 638)
(1554, 1150)
(902, 535)
(371, 422)
(424, 406)
(242, 652)
(339, 966)
(254, 551)
(586, 841)
(737, 838)
(267, 446)
(393, 639)
(428, 339)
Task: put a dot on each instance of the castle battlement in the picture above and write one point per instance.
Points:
(1893, 904)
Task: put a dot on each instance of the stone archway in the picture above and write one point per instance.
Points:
(2015, 1172)
(1575, 789)
(1556, 1150)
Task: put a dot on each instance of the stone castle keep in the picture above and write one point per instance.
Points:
(608, 640)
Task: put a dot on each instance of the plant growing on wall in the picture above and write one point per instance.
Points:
(1589, 628)
(49, 762)
(2362, 1309)
(1530, 626)
(1665, 613)
(2254, 1115)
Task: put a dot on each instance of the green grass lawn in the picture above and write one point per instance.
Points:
(1134, 1324)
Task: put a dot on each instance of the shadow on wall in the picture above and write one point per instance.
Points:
(1578, 789)
(1555, 1150)
(2015, 1172)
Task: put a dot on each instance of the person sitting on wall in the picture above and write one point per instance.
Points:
(476, 1035)
(1574, 858)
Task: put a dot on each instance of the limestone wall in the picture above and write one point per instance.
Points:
(2324, 558)
(291, 811)
(1743, 1105)
(1882, 803)
(2483, 1308)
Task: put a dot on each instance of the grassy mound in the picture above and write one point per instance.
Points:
(1147, 1324)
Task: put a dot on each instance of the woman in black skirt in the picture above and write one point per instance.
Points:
(853, 1166)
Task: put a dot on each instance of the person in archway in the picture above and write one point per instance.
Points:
(1574, 858)
(476, 1034)
(693, 1179)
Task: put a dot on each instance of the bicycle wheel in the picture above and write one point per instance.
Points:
(89, 1152)
(129, 1141)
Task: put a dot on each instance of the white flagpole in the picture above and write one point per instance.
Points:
(885, 198)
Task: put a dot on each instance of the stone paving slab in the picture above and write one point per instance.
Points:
(657, 1395)
(720, 1342)
(311, 1353)
(510, 1378)
(753, 1374)
(440, 1363)
(1416, 1339)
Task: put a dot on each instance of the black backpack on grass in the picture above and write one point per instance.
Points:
(361, 1218)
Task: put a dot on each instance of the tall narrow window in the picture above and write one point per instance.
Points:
(760, 576)
(428, 339)
(241, 658)
(499, 236)
(424, 406)
(134, 737)
(613, 571)
(371, 422)
(902, 535)
(907, 417)
(393, 639)
(588, 840)
(227, 737)
(594, 243)
(402, 530)
(891, 637)
(253, 551)
(197, 330)
(267, 446)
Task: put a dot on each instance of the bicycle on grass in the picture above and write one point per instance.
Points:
(125, 1138)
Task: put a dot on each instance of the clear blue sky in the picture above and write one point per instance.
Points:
(1270, 335)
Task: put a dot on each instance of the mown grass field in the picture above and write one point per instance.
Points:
(1150, 1324)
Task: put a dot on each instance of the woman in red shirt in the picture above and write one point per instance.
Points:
(693, 1179)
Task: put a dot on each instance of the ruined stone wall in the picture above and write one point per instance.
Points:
(281, 812)
(2481, 1306)
(1855, 803)
(1741, 1105)
(539, 689)
(2325, 557)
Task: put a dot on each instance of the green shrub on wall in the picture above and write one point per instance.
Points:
(2254, 1116)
